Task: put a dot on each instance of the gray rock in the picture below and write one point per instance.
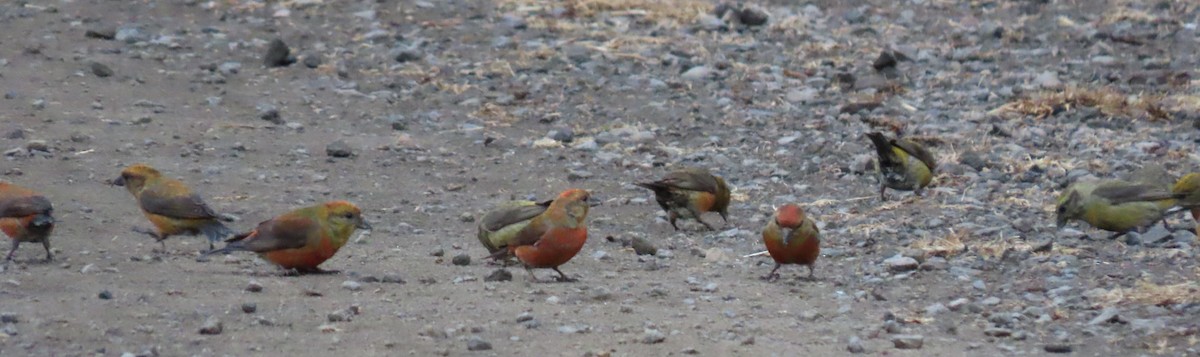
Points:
(249, 307)
(641, 246)
(652, 336)
(9, 318)
(461, 260)
(341, 315)
(405, 55)
(278, 54)
(351, 285)
(855, 345)
(997, 332)
(1058, 348)
(270, 113)
(254, 286)
(476, 343)
(230, 68)
(1048, 80)
(131, 34)
(1109, 314)
(565, 135)
(697, 73)
(212, 326)
(100, 70)
(499, 275)
(312, 60)
(908, 342)
(339, 148)
(900, 263)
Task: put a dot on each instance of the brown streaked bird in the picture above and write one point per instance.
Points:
(689, 193)
(301, 239)
(171, 206)
(791, 238)
(554, 237)
(902, 164)
(26, 217)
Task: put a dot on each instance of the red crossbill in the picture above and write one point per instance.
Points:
(171, 206)
(791, 238)
(688, 193)
(301, 239)
(902, 164)
(25, 216)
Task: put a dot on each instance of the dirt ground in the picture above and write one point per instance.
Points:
(427, 113)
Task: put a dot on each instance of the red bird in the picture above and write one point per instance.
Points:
(554, 237)
(25, 216)
(792, 238)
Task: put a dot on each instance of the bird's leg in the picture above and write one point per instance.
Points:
(15, 244)
(773, 274)
(710, 227)
(563, 277)
(532, 277)
(1117, 235)
(811, 268)
(672, 217)
(882, 197)
(145, 231)
(46, 244)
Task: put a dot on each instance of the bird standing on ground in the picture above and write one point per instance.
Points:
(791, 238)
(1114, 205)
(25, 216)
(688, 193)
(553, 237)
(500, 225)
(902, 164)
(171, 206)
(301, 239)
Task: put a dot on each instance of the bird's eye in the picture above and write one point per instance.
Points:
(348, 215)
(1062, 209)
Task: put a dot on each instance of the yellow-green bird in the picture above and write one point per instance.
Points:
(903, 165)
(499, 226)
(1187, 189)
(1114, 205)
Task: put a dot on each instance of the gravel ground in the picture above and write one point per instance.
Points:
(426, 113)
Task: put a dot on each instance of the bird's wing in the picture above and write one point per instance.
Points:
(916, 151)
(692, 180)
(1120, 192)
(173, 199)
(512, 214)
(24, 206)
(283, 232)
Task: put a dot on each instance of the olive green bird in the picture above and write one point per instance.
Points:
(903, 165)
(1187, 189)
(499, 226)
(1114, 205)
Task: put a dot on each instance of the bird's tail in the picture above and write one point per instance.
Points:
(42, 220)
(228, 248)
(216, 231)
(653, 186)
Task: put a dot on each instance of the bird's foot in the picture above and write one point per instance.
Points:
(565, 279)
(770, 277)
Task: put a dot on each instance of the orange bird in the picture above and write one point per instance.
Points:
(301, 239)
(554, 237)
(791, 238)
(171, 206)
(25, 216)
(688, 193)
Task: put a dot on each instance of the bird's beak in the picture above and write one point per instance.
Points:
(362, 224)
(592, 201)
(120, 181)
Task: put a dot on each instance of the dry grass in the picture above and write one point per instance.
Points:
(1151, 293)
(676, 11)
(1110, 102)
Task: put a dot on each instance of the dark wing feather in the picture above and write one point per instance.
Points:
(1121, 192)
(283, 232)
(173, 200)
(505, 216)
(916, 151)
(24, 206)
(692, 180)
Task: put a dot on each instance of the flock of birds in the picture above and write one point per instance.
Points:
(548, 234)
